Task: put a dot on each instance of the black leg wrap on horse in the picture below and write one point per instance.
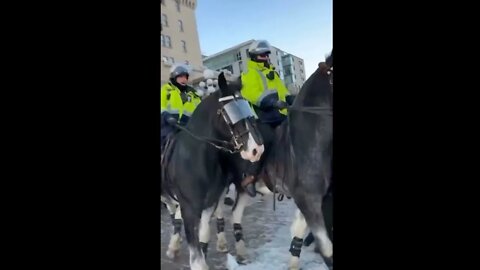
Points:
(220, 225)
(309, 240)
(177, 226)
(172, 216)
(237, 231)
(204, 247)
(296, 246)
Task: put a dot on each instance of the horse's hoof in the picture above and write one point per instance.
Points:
(172, 253)
(222, 248)
(329, 262)
(241, 259)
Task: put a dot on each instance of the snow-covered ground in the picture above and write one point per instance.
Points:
(267, 237)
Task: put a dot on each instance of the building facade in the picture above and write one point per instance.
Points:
(290, 67)
(179, 37)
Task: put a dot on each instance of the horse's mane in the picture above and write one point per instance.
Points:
(316, 90)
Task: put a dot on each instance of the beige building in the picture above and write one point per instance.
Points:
(179, 37)
(290, 67)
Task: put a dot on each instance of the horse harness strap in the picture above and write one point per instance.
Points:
(314, 110)
(210, 141)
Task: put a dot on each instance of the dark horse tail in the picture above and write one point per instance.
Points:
(166, 184)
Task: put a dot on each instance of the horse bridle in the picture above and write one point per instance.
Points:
(234, 105)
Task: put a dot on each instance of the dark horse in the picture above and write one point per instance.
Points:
(199, 160)
(301, 160)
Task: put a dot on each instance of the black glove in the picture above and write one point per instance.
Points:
(290, 99)
(269, 102)
(281, 105)
(183, 120)
(169, 118)
(172, 120)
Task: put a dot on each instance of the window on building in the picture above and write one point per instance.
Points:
(172, 60)
(240, 65)
(162, 40)
(239, 56)
(184, 46)
(168, 42)
(288, 70)
(229, 68)
(301, 71)
(177, 2)
(164, 20)
(180, 25)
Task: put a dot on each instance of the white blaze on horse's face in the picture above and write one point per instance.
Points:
(237, 113)
(254, 151)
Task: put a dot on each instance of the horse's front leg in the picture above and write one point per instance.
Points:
(221, 240)
(242, 201)
(299, 226)
(174, 245)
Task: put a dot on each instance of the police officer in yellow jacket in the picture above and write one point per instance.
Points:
(263, 88)
(177, 102)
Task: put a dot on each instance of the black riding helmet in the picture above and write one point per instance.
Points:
(176, 71)
(257, 48)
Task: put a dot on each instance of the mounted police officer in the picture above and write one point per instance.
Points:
(263, 88)
(177, 102)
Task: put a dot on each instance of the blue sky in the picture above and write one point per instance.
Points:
(302, 28)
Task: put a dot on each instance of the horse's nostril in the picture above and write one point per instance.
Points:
(254, 152)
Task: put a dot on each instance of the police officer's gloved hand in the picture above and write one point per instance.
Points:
(281, 105)
(183, 120)
(168, 118)
(269, 102)
(290, 99)
(172, 120)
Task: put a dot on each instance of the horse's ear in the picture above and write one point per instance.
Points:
(222, 82)
(329, 60)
